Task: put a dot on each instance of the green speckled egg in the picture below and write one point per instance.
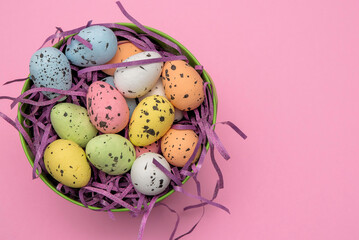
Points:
(67, 163)
(72, 122)
(111, 153)
(152, 118)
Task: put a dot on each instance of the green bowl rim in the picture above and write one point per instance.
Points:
(205, 76)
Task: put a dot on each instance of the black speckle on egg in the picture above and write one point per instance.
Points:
(103, 124)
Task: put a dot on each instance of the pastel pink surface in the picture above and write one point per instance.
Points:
(286, 73)
(107, 108)
(153, 147)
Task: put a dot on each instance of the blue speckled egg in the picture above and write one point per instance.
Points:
(109, 80)
(132, 104)
(104, 47)
(50, 68)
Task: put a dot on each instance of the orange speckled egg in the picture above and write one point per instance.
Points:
(177, 146)
(125, 50)
(153, 147)
(183, 85)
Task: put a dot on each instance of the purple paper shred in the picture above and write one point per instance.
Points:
(106, 192)
(83, 41)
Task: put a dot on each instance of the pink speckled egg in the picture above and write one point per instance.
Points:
(107, 108)
(153, 147)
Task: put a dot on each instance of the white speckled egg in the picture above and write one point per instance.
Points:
(178, 115)
(136, 81)
(146, 177)
(158, 89)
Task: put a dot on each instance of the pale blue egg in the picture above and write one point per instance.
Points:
(50, 68)
(132, 104)
(109, 80)
(104, 47)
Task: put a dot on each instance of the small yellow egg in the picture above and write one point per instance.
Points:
(66, 162)
(151, 119)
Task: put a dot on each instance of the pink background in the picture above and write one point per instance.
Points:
(286, 73)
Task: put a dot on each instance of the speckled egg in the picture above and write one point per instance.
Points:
(178, 115)
(50, 68)
(183, 85)
(109, 80)
(177, 146)
(111, 153)
(136, 81)
(151, 119)
(107, 108)
(104, 47)
(66, 162)
(125, 50)
(132, 104)
(158, 89)
(72, 122)
(153, 147)
(146, 177)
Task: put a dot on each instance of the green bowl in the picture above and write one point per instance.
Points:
(192, 60)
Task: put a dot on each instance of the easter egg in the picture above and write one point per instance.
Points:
(72, 122)
(136, 81)
(183, 85)
(132, 104)
(153, 147)
(178, 115)
(50, 68)
(66, 162)
(177, 146)
(146, 177)
(124, 50)
(111, 153)
(158, 89)
(151, 119)
(107, 108)
(104, 47)
(109, 80)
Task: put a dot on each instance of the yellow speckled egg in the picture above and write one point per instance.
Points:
(150, 120)
(183, 85)
(125, 50)
(177, 146)
(66, 162)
